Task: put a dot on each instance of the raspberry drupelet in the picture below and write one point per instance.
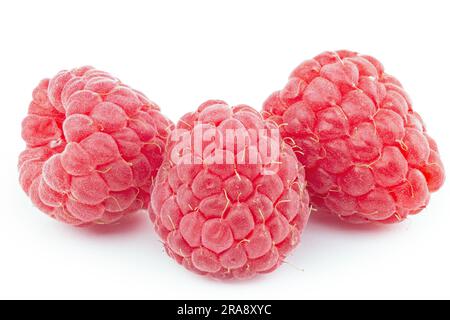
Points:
(92, 147)
(222, 205)
(367, 154)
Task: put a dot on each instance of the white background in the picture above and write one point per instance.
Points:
(181, 53)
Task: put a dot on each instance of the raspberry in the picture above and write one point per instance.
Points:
(367, 154)
(93, 147)
(222, 204)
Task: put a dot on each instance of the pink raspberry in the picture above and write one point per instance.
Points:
(93, 146)
(367, 154)
(229, 200)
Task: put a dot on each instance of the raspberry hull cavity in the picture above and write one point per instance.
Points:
(93, 146)
(367, 154)
(229, 200)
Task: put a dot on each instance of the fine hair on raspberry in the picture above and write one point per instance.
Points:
(367, 154)
(93, 146)
(229, 200)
